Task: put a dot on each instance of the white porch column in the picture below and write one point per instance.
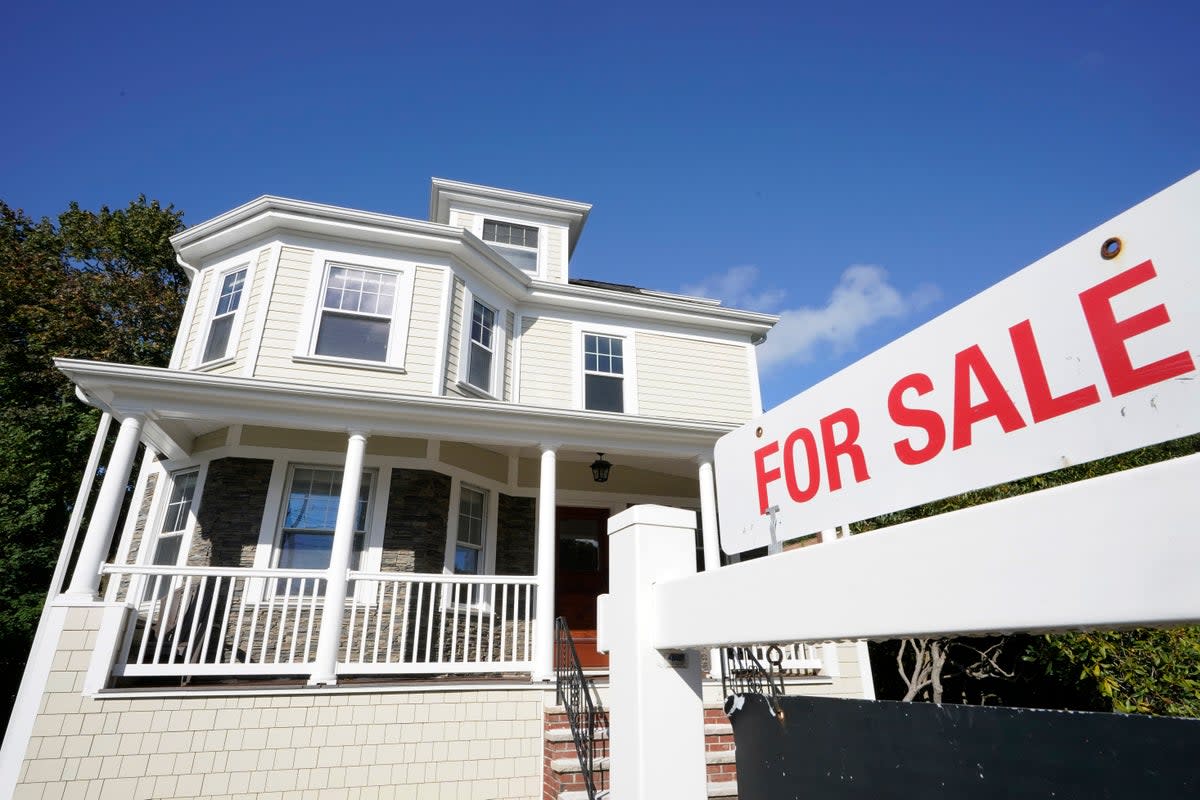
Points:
(325, 666)
(708, 513)
(543, 634)
(85, 581)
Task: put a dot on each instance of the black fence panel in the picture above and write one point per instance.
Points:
(819, 748)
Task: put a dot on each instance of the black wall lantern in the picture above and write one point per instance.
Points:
(600, 469)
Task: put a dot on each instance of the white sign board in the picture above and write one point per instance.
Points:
(1089, 352)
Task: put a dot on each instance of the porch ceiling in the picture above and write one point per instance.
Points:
(179, 406)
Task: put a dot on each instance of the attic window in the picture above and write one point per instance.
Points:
(517, 243)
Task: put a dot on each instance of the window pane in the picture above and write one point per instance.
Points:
(479, 373)
(300, 550)
(167, 551)
(231, 292)
(521, 259)
(183, 489)
(466, 561)
(353, 337)
(218, 338)
(604, 393)
(578, 552)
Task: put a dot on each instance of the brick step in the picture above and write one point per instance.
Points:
(563, 734)
(723, 789)
(566, 765)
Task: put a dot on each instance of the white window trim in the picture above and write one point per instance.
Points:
(306, 342)
(155, 517)
(628, 356)
(271, 528)
(470, 296)
(543, 231)
(489, 533)
(217, 275)
(158, 513)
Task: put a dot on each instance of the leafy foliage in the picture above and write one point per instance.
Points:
(1141, 671)
(1146, 670)
(101, 285)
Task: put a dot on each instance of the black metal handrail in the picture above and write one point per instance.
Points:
(577, 695)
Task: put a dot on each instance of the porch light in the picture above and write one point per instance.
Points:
(600, 469)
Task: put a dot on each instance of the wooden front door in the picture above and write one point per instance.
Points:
(581, 573)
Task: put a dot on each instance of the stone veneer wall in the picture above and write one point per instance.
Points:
(414, 539)
(515, 527)
(308, 744)
(235, 493)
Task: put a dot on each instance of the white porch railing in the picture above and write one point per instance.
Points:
(796, 658)
(220, 621)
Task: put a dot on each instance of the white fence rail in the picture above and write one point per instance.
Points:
(193, 621)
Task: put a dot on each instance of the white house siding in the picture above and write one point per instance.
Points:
(285, 318)
(684, 378)
(556, 262)
(446, 743)
(546, 362)
(200, 286)
(510, 319)
(454, 343)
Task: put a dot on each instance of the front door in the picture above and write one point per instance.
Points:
(581, 573)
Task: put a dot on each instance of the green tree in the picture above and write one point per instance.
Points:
(102, 285)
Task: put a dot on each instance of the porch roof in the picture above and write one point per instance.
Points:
(180, 405)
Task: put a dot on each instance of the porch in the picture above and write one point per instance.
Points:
(260, 507)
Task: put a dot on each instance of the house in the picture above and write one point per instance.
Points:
(421, 424)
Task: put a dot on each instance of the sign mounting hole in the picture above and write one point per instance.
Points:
(1110, 249)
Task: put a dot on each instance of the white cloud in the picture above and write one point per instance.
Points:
(736, 288)
(862, 297)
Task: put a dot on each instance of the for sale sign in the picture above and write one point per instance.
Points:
(1089, 352)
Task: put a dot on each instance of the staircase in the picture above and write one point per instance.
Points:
(563, 780)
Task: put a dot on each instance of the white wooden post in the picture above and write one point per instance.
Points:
(708, 514)
(657, 725)
(543, 635)
(85, 581)
(325, 670)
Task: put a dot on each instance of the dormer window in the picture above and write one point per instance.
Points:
(517, 243)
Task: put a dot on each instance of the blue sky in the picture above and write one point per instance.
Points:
(857, 171)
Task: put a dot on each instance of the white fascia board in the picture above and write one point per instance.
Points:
(571, 212)
(272, 216)
(653, 307)
(168, 396)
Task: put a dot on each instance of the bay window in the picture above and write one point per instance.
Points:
(356, 312)
(220, 329)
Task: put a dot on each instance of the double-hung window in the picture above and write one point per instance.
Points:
(175, 522)
(310, 513)
(228, 302)
(355, 314)
(472, 530)
(603, 373)
(482, 347)
(517, 243)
